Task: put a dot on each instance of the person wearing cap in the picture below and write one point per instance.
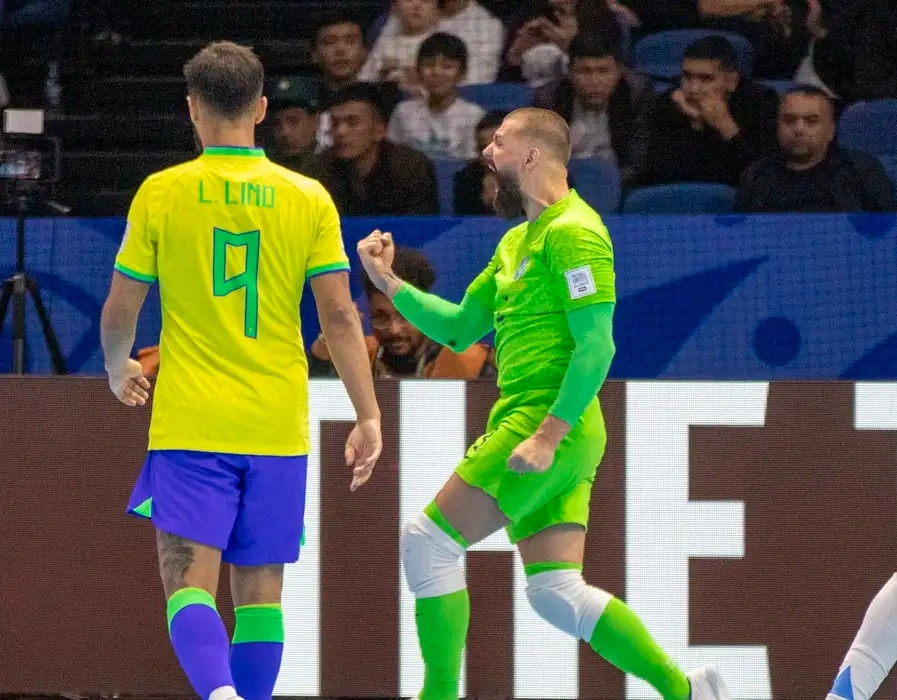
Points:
(295, 110)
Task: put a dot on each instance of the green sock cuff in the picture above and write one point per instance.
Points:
(540, 567)
(441, 601)
(433, 513)
(258, 623)
(188, 596)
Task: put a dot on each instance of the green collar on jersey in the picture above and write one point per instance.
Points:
(233, 151)
(549, 214)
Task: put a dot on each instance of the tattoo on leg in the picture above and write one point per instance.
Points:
(176, 556)
(258, 584)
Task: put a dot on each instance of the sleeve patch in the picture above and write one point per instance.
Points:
(580, 282)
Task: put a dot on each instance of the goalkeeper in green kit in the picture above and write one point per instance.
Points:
(549, 294)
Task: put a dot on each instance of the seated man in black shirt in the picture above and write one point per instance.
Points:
(472, 184)
(810, 174)
(715, 124)
(367, 175)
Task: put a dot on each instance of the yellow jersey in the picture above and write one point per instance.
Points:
(231, 238)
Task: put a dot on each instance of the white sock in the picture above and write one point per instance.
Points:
(874, 650)
(225, 692)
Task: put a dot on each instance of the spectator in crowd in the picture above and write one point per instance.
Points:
(774, 28)
(440, 123)
(396, 348)
(538, 41)
(366, 174)
(482, 33)
(294, 108)
(810, 174)
(715, 124)
(854, 51)
(339, 51)
(607, 106)
(394, 56)
(474, 185)
(339, 54)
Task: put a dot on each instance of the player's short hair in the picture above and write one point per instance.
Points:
(446, 45)
(547, 127)
(713, 48)
(594, 44)
(361, 92)
(492, 119)
(410, 265)
(335, 18)
(226, 77)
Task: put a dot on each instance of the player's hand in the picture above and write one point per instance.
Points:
(535, 454)
(363, 450)
(130, 386)
(376, 253)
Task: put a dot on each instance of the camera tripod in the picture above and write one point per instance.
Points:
(16, 287)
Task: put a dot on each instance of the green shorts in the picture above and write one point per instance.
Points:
(533, 502)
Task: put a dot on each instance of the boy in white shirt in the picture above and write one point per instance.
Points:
(440, 123)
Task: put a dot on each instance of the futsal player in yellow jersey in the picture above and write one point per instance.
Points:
(231, 238)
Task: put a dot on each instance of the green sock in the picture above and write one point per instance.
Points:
(622, 639)
(442, 629)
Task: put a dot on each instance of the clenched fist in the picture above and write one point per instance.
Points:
(377, 252)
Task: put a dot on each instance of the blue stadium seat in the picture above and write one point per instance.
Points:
(597, 182)
(889, 161)
(870, 127)
(659, 55)
(681, 198)
(501, 96)
(445, 174)
(780, 86)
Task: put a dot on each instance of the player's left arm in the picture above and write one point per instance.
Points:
(581, 263)
(135, 271)
(582, 266)
(118, 323)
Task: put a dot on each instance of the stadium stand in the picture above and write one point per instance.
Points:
(684, 198)
(659, 55)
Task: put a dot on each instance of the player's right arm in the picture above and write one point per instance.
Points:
(456, 326)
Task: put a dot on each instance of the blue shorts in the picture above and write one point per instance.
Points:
(250, 507)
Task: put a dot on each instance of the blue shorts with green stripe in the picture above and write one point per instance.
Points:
(251, 507)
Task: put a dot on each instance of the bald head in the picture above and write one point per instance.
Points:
(544, 127)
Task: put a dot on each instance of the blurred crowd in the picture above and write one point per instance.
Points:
(733, 105)
(752, 102)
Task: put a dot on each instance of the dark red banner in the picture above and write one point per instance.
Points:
(748, 524)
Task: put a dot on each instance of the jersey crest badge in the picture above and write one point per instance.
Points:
(521, 268)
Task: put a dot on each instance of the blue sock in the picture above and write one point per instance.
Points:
(257, 650)
(199, 640)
